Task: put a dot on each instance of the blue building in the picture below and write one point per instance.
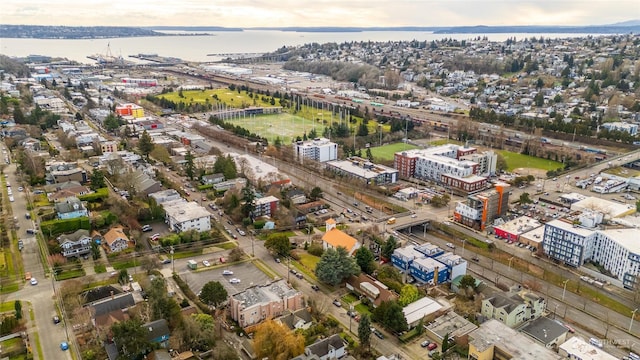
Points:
(403, 257)
(70, 209)
(428, 270)
(429, 250)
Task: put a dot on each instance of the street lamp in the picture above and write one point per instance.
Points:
(564, 288)
(633, 314)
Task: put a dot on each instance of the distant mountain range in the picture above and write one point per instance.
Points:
(88, 32)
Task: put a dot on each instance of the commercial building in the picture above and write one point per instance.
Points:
(364, 170)
(482, 208)
(129, 109)
(547, 332)
(513, 308)
(181, 216)
(577, 348)
(419, 309)
(258, 303)
(495, 340)
(319, 149)
(511, 230)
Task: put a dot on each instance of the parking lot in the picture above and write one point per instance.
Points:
(248, 275)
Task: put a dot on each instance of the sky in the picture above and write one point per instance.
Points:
(281, 13)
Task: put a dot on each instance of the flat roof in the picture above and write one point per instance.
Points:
(349, 167)
(560, 224)
(185, 211)
(627, 238)
(544, 330)
(452, 324)
(608, 208)
(580, 349)
(519, 225)
(517, 346)
(420, 308)
(257, 294)
(535, 235)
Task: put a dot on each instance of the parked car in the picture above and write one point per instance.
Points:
(146, 228)
(206, 263)
(337, 303)
(154, 237)
(34, 281)
(227, 272)
(32, 231)
(377, 333)
(299, 276)
(432, 346)
(450, 245)
(56, 319)
(315, 287)
(235, 281)
(425, 343)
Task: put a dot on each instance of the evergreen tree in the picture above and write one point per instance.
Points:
(364, 330)
(189, 167)
(145, 144)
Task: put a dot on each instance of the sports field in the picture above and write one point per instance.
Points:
(229, 97)
(284, 125)
(386, 152)
(516, 160)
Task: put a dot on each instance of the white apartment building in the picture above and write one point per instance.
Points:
(182, 216)
(616, 250)
(632, 129)
(318, 149)
(486, 161)
(432, 163)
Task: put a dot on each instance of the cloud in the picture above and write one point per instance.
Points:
(251, 13)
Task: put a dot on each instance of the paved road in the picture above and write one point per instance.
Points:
(41, 295)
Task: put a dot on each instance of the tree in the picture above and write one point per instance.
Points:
(389, 314)
(467, 281)
(97, 179)
(335, 265)
(365, 260)
(274, 341)
(364, 330)
(525, 199)
(316, 193)
(445, 343)
(189, 167)
(278, 243)
(248, 197)
(408, 294)
(145, 144)
(111, 122)
(388, 247)
(18, 307)
(369, 154)
(213, 293)
(130, 337)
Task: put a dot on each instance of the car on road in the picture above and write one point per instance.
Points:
(64, 346)
(299, 276)
(235, 281)
(56, 319)
(315, 287)
(20, 188)
(337, 303)
(154, 237)
(227, 272)
(206, 263)
(32, 231)
(414, 216)
(166, 261)
(352, 313)
(241, 232)
(11, 199)
(33, 281)
(20, 245)
(229, 222)
(278, 260)
(377, 333)
(212, 206)
(146, 228)
(450, 245)
(475, 258)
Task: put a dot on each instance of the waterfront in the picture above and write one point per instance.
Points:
(196, 48)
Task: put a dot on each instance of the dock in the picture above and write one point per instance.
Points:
(166, 60)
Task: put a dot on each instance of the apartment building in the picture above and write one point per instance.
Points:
(319, 149)
(265, 206)
(364, 170)
(181, 216)
(130, 109)
(480, 209)
(261, 302)
(513, 308)
(428, 263)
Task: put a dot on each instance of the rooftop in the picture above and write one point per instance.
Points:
(452, 324)
(608, 208)
(419, 309)
(580, 349)
(544, 330)
(266, 293)
(514, 345)
(368, 172)
(183, 211)
(627, 238)
(337, 238)
(519, 225)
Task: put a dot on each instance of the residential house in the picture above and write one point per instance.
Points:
(111, 304)
(367, 286)
(158, 332)
(297, 196)
(334, 238)
(75, 244)
(333, 347)
(299, 319)
(513, 308)
(67, 172)
(144, 184)
(212, 179)
(71, 208)
(261, 302)
(68, 192)
(116, 240)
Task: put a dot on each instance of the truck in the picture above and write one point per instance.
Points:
(192, 264)
(391, 221)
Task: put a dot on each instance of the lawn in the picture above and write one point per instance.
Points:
(516, 160)
(385, 152)
(285, 126)
(309, 261)
(231, 98)
(70, 274)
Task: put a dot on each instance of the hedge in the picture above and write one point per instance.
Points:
(100, 194)
(59, 226)
(205, 187)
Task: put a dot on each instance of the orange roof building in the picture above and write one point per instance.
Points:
(116, 240)
(335, 238)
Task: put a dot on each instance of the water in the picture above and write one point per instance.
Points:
(196, 48)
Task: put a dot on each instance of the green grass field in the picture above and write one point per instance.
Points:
(231, 98)
(515, 160)
(386, 152)
(284, 125)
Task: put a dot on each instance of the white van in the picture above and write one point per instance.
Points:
(595, 342)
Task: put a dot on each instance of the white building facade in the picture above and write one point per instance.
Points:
(183, 216)
(319, 149)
